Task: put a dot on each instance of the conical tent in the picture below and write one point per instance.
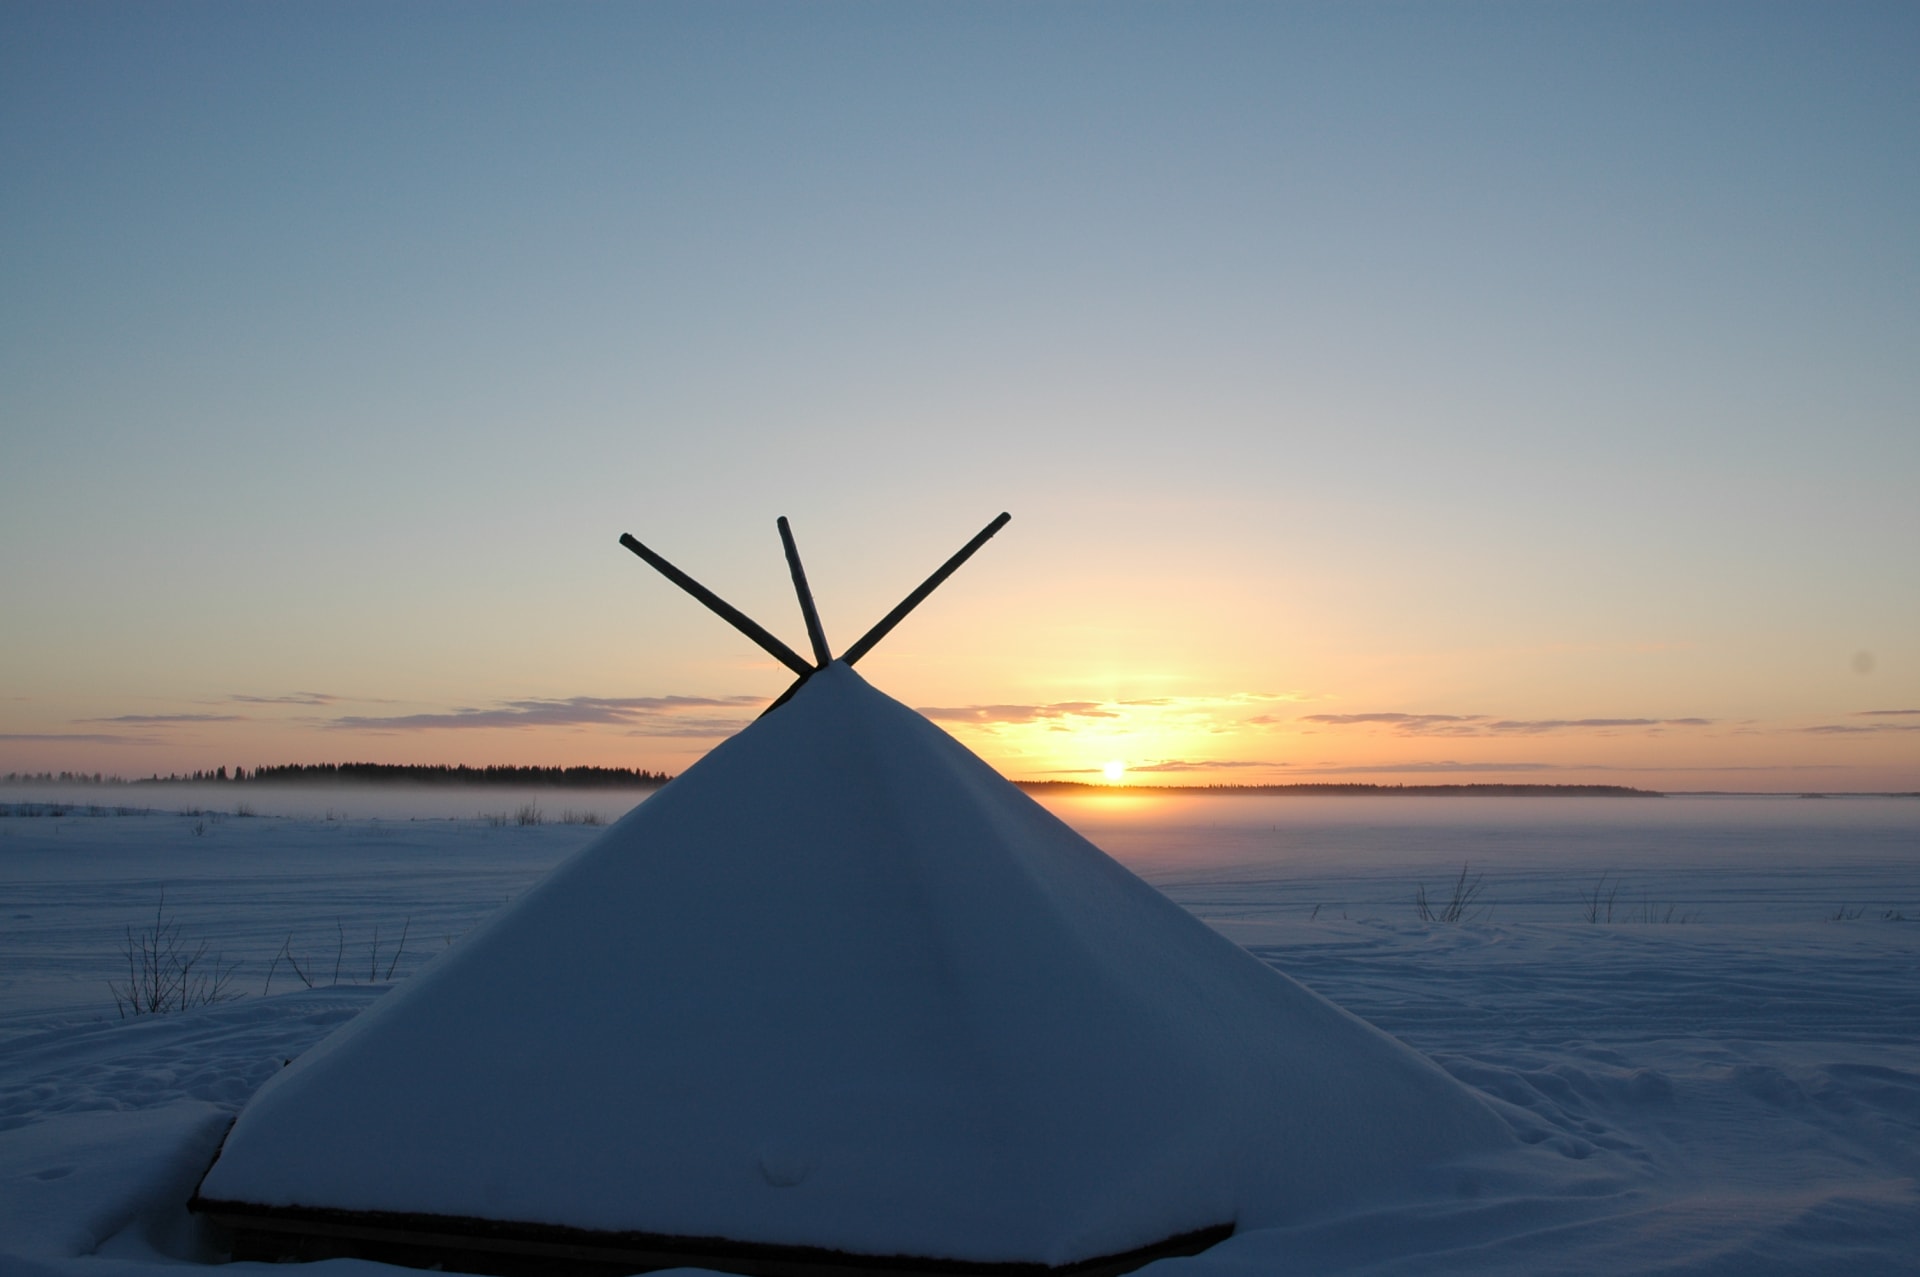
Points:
(838, 998)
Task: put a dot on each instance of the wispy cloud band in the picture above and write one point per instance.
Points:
(1174, 765)
(1860, 729)
(1404, 724)
(161, 720)
(997, 714)
(1207, 712)
(639, 715)
(296, 698)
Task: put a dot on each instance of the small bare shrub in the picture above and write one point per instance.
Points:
(1459, 902)
(1598, 906)
(287, 956)
(373, 956)
(165, 972)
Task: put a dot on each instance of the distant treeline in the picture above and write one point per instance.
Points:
(1314, 790)
(61, 778)
(425, 774)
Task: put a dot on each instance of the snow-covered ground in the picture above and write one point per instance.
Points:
(1724, 1078)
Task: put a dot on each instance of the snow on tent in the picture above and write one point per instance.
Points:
(839, 999)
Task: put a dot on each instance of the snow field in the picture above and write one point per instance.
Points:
(1738, 1094)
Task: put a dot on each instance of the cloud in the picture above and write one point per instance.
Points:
(690, 728)
(1433, 768)
(1202, 713)
(640, 715)
(78, 738)
(1886, 713)
(1485, 725)
(1413, 721)
(153, 720)
(1535, 726)
(1407, 724)
(297, 698)
(1175, 765)
(1860, 729)
(989, 715)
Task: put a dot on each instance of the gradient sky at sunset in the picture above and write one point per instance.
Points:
(1381, 392)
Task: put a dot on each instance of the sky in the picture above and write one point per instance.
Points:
(1381, 392)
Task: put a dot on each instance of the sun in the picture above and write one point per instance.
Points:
(1114, 770)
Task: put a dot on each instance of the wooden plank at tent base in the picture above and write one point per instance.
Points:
(499, 1249)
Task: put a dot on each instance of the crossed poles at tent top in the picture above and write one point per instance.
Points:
(822, 654)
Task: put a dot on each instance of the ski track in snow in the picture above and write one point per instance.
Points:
(1736, 1094)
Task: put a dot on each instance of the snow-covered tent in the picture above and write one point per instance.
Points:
(838, 999)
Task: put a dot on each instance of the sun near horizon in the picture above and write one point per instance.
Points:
(1584, 454)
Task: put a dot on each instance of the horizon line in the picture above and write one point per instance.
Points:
(600, 776)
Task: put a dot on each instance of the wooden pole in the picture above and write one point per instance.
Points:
(822, 654)
(927, 587)
(721, 608)
(785, 696)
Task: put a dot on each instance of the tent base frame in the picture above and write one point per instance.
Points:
(502, 1249)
